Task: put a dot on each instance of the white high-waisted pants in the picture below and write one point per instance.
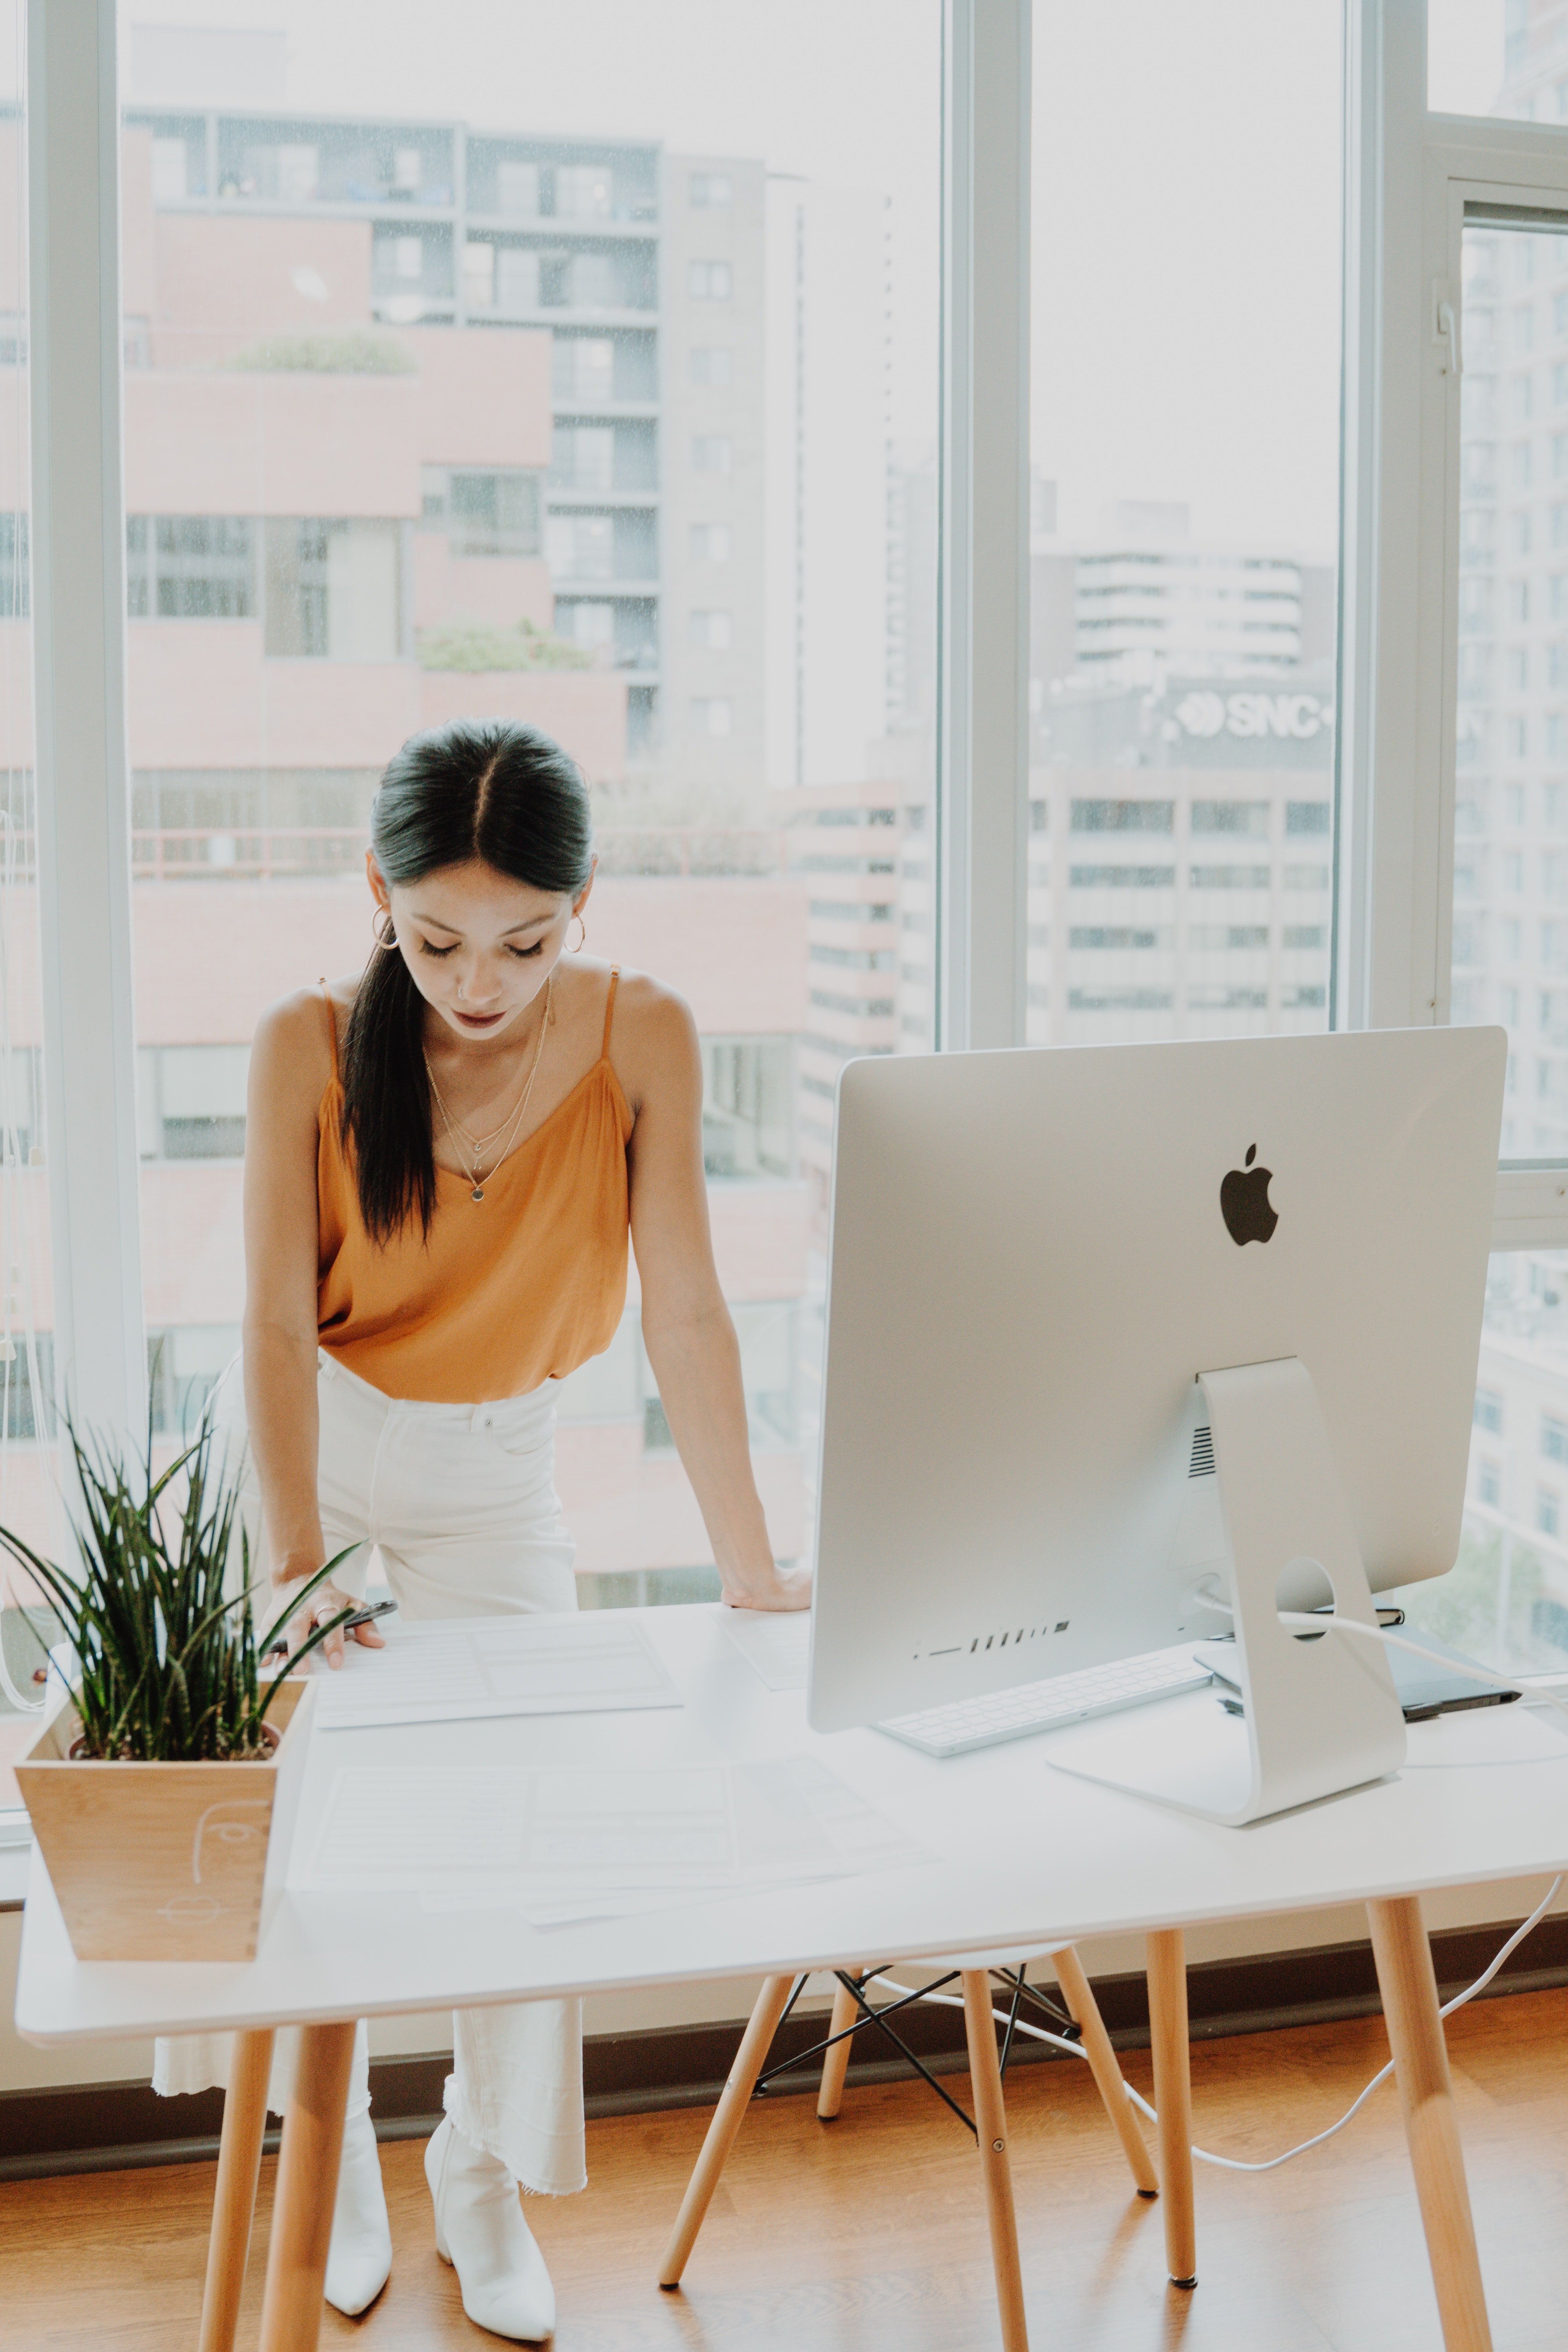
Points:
(460, 1501)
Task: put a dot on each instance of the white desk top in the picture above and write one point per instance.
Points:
(1023, 1855)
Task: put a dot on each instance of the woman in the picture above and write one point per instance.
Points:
(444, 1158)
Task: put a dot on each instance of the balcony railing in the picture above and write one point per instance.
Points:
(183, 854)
(265, 853)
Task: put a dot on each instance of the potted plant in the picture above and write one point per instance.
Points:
(163, 1787)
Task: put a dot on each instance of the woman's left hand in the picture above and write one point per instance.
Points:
(773, 1588)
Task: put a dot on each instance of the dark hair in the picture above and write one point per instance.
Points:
(490, 789)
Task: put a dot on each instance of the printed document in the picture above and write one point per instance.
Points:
(553, 1844)
(777, 1643)
(549, 1664)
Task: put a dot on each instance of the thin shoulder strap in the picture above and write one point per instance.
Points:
(610, 1011)
(331, 1023)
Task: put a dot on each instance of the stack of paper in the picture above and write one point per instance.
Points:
(555, 1664)
(553, 1844)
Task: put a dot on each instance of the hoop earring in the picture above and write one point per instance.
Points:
(582, 940)
(381, 930)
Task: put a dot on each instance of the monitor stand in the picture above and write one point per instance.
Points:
(1321, 1714)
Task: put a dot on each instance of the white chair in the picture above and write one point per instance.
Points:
(852, 2013)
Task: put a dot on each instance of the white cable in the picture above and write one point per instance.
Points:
(1231, 2163)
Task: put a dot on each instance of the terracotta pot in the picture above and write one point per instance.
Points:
(167, 1862)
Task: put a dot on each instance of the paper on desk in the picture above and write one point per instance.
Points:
(777, 1643)
(554, 1665)
(553, 1844)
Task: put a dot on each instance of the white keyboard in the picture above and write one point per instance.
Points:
(994, 1715)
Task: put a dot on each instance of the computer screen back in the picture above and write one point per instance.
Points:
(1034, 1253)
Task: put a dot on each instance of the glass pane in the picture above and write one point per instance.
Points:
(609, 404)
(1497, 57)
(1509, 954)
(1506, 1601)
(1185, 515)
(28, 1491)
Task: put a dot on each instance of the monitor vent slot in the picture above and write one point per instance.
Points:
(1201, 1464)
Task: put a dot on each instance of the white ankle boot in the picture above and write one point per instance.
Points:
(480, 2231)
(359, 2260)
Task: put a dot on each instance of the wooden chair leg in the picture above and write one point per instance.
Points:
(1079, 1994)
(1409, 1987)
(1173, 2098)
(234, 2201)
(307, 2188)
(991, 2120)
(830, 2097)
(756, 2042)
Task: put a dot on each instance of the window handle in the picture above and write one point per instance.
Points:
(1446, 330)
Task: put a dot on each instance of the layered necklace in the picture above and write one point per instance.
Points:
(474, 1149)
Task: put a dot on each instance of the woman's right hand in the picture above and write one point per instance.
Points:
(328, 1600)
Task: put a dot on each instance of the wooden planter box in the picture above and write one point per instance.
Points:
(167, 1862)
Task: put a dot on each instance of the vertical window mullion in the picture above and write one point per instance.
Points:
(82, 760)
(1386, 899)
(984, 603)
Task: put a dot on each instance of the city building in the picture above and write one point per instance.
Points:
(644, 270)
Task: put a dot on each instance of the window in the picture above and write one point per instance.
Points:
(334, 590)
(482, 513)
(1488, 1413)
(190, 567)
(522, 410)
(1122, 816)
(747, 1115)
(1553, 1437)
(1231, 816)
(583, 457)
(479, 275)
(1228, 937)
(583, 368)
(190, 1101)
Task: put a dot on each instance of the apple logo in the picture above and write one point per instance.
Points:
(1244, 1203)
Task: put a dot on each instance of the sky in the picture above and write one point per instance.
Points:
(1187, 192)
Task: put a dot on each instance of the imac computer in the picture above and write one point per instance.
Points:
(1133, 1346)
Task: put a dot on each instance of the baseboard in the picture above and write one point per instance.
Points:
(111, 2127)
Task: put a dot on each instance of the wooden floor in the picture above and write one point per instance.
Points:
(868, 2235)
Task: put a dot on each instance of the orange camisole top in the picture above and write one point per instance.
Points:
(503, 1293)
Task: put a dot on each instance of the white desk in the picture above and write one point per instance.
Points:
(1025, 1855)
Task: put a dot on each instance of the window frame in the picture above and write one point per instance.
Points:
(1394, 785)
(1410, 173)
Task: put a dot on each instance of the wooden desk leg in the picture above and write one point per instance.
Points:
(1079, 1994)
(1173, 2098)
(1409, 1987)
(234, 2201)
(756, 2042)
(307, 2188)
(991, 2120)
(829, 2098)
